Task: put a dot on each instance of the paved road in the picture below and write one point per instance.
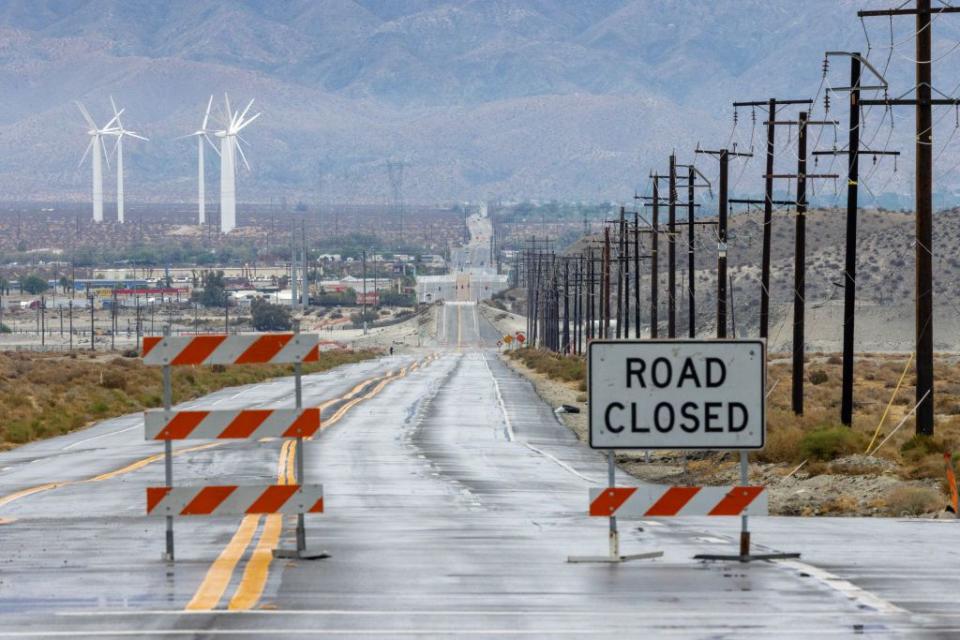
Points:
(472, 276)
(461, 325)
(453, 498)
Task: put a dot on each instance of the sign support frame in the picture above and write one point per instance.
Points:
(168, 449)
(745, 555)
(614, 557)
(300, 552)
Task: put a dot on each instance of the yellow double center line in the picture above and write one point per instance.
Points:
(257, 569)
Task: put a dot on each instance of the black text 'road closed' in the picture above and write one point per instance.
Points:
(677, 394)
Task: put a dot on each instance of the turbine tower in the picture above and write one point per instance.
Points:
(229, 147)
(119, 132)
(201, 135)
(97, 144)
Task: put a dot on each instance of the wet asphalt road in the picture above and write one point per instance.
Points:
(453, 498)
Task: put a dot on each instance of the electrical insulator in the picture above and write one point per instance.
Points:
(826, 102)
(736, 115)
(874, 159)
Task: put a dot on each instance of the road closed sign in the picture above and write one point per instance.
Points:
(677, 394)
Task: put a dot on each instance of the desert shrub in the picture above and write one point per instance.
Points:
(834, 360)
(114, 380)
(218, 368)
(921, 445)
(909, 500)
(818, 376)
(827, 443)
(782, 444)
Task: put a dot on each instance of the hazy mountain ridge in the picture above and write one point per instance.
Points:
(484, 98)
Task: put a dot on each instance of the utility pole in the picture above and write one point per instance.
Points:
(850, 257)
(924, 199)
(768, 202)
(655, 260)
(723, 206)
(363, 308)
(691, 224)
(672, 249)
(605, 293)
(92, 344)
(799, 253)
(799, 267)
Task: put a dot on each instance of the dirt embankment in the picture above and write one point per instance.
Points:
(811, 466)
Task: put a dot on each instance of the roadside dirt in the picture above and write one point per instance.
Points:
(855, 485)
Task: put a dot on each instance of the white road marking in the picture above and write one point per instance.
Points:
(684, 631)
(847, 588)
(272, 633)
(561, 463)
(102, 435)
(572, 613)
(511, 436)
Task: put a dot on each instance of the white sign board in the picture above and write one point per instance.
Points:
(677, 394)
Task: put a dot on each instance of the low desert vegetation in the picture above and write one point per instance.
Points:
(46, 395)
(571, 369)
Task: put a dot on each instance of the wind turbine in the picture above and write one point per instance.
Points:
(201, 135)
(119, 131)
(229, 146)
(96, 143)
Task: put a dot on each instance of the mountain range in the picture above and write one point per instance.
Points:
(481, 99)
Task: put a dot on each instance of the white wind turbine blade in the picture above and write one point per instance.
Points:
(212, 146)
(84, 156)
(114, 105)
(106, 156)
(206, 115)
(136, 135)
(246, 124)
(244, 114)
(115, 118)
(244, 140)
(242, 156)
(189, 135)
(226, 100)
(86, 114)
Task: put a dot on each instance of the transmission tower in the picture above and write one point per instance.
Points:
(395, 173)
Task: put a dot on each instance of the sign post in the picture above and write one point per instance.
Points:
(678, 395)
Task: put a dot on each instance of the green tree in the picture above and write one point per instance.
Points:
(270, 317)
(214, 289)
(34, 284)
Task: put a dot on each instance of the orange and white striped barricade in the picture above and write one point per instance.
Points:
(662, 501)
(269, 348)
(232, 500)
(160, 424)
(168, 425)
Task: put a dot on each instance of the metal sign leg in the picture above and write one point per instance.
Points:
(168, 451)
(301, 549)
(745, 555)
(614, 556)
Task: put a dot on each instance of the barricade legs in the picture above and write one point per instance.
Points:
(614, 555)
